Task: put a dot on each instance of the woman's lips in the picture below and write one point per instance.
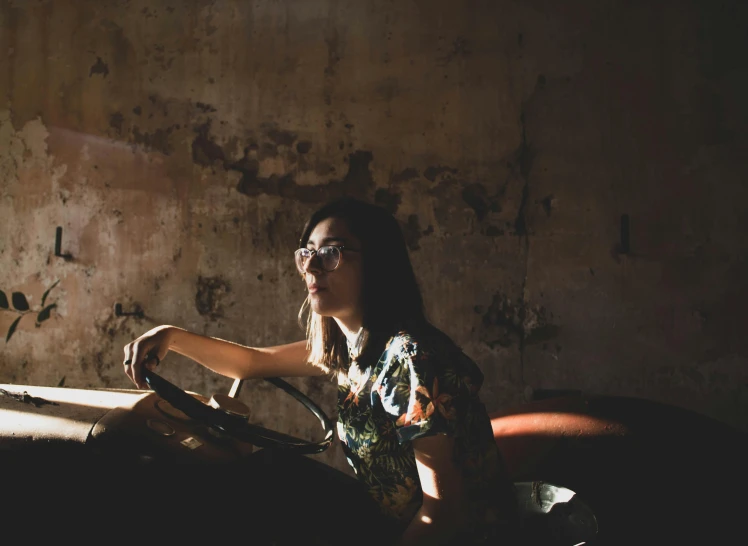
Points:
(313, 288)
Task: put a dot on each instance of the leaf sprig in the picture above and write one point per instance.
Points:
(20, 305)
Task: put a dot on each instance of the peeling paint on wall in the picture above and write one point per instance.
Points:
(181, 151)
(99, 67)
(210, 296)
(506, 322)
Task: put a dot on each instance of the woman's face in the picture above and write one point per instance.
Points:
(335, 293)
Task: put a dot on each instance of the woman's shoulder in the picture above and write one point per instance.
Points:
(430, 352)
(421, 340)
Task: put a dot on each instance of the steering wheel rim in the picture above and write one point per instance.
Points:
(243, 430)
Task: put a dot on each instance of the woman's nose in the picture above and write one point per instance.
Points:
(312, 264)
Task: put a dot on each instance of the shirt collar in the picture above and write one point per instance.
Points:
(354, 343)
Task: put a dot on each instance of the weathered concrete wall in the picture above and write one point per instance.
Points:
(181, 146)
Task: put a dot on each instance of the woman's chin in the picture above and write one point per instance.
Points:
(319, 307)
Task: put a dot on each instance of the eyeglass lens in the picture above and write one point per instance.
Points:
(329, 257)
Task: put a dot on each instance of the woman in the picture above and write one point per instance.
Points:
(409, 416)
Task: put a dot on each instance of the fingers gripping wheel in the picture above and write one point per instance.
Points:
(239, 429)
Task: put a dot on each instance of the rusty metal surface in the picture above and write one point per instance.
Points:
(59, 414)
(150, 430)
(530, 435)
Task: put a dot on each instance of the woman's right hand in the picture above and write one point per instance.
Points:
(147, 351)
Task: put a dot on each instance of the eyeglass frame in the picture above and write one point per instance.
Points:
(314, 252)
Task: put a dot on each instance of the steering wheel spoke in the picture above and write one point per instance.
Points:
(243, 430)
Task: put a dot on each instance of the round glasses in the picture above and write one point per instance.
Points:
(328, 256)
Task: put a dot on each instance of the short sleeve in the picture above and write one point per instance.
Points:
(418, 392)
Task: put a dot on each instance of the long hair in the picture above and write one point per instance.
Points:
(391, 297)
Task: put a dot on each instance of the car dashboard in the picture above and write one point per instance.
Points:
(133, 426)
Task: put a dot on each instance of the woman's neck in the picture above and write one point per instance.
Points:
(350, 328)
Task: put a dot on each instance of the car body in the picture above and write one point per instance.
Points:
(639, 471)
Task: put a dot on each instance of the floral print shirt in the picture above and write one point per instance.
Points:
(417, 388)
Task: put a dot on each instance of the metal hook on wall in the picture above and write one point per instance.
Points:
(119, 313)
(58, 245)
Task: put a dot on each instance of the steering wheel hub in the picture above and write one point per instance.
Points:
(230, 416)
(229, 406)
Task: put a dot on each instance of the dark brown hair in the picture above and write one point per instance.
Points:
(391, 297)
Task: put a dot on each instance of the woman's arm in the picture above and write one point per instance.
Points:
(223, 357)
(441, 515)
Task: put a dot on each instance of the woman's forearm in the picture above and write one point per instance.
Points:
(241, 362)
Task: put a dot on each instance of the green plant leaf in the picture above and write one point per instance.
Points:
(19, 301)
(12, 328)
(44, 297)
(44, 313)
(3, 300)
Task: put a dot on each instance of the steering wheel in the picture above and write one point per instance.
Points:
(239, 428)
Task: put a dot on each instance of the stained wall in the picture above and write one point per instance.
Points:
(180, 146)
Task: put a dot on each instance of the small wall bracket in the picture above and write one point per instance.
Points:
(58, 245)
(138, 312)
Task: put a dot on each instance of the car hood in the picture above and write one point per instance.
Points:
(55, 415)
